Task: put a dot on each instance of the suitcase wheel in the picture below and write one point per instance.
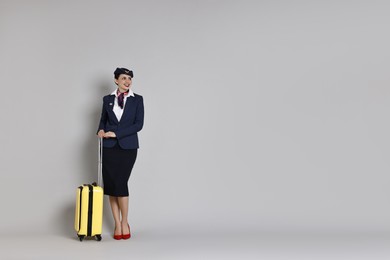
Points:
(98, 237)
(81, 237)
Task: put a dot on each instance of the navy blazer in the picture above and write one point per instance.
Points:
(126, 129)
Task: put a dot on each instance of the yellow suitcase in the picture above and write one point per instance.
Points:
(89, 211)
(88, 219)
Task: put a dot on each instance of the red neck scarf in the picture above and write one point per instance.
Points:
(121, 97)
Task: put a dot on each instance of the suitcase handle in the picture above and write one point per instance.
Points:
(100, 161)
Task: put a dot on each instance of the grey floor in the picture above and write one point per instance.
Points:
(160, 244)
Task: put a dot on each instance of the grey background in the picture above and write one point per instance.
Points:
(259, 115)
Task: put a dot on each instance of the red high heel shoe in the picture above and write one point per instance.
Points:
(117, 237)
(127, 236)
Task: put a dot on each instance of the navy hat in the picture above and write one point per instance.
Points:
(120, 71)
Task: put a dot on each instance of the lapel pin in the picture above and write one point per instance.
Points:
(110, 104)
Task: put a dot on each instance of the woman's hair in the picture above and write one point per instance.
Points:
(120, 71)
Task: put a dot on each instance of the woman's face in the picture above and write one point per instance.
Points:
(123, 82)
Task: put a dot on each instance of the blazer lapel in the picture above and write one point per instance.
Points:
(111, 104)
(128, 105)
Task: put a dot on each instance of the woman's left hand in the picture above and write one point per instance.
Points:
(109, 135)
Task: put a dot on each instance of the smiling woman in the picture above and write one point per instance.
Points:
(121, 119)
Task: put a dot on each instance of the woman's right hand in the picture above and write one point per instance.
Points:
(101, 133)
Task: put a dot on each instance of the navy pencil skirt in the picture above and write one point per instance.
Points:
(117, 166)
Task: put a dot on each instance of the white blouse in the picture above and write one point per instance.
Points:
(117, 109)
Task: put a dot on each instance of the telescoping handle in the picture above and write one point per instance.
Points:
(100, 161)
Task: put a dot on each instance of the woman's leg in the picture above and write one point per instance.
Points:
(124, 201)
(114, 202)
(124, 208)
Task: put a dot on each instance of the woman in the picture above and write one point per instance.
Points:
(122, 117)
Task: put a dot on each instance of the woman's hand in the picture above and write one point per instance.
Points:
(101, 133)
(109, 135)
